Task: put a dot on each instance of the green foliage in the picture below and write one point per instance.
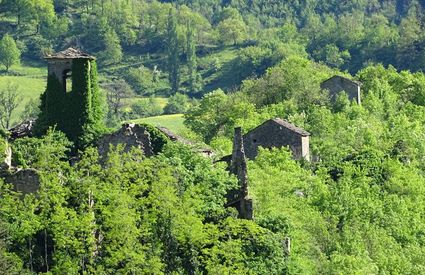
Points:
(232, 31)
(79, 113)
(9, 52)
(9, 101)
(173, 61)
(158, 139)
(143, 80)
(113, 51)
(146, 107)
(177, 104)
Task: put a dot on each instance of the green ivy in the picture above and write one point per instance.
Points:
(79, 114)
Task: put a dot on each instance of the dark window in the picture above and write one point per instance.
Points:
(66, 79)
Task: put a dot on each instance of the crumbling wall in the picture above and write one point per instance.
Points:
(238, 166)
(131, 135)
(26, 181)
(5, 155)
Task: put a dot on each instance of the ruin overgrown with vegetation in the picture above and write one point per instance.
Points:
(299, 149)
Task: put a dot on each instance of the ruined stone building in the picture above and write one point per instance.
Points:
(337, 84)
(130, 135)
(239, 198)
(277, 133)
(273, 133)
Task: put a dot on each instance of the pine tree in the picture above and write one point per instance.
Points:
(173, 52)
(194, 78)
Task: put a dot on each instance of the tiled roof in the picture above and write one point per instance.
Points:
(345, 78)
(291, 127)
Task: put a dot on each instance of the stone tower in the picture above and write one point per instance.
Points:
(71, 101)
(60, 65)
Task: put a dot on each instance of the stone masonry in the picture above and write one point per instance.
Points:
(277, 133)
(337, 84)
(130, 135)
(239, 198)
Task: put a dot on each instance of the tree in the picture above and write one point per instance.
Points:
(195, 80)
(9, 52)
(117, 90)
(113, 51)
(9, 101)
(177, 104)
(231, 30)
(173, 61)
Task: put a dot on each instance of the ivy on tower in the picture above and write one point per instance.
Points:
(72, 101)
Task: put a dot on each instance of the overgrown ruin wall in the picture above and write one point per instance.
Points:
(26, 181)
(337, 84)
(130, 135)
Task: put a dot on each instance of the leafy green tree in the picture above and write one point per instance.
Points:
(146, 107)
(195, 80)
(9, 52)
(231, 31)
(177, 104)
(112, 53)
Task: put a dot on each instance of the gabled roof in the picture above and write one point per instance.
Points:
(70, 53)
(285, 124)
(344, 78)
(291, 127)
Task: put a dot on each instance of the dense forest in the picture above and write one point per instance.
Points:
(356, 208)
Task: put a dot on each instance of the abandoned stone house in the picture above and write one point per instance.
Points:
(272, 133)
(337, 84)
(278, 133)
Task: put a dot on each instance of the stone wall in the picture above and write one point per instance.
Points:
(26, 181)
(6, 157)
(57, 67)
(273, 134)
(240, 198)
(130, 135)
(337, 84)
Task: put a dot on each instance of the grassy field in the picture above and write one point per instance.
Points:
(31, 82)
(172, 122)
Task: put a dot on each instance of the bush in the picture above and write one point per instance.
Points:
(177, 104)
(146, 107)
(143, 80)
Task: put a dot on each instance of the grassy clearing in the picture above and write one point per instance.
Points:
(161, 100)
(30, 79)
(172, 122)
(28, 88)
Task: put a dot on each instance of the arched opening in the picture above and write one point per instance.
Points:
(67, 80)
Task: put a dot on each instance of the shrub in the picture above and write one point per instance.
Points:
(177, 104)
(146, 107)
